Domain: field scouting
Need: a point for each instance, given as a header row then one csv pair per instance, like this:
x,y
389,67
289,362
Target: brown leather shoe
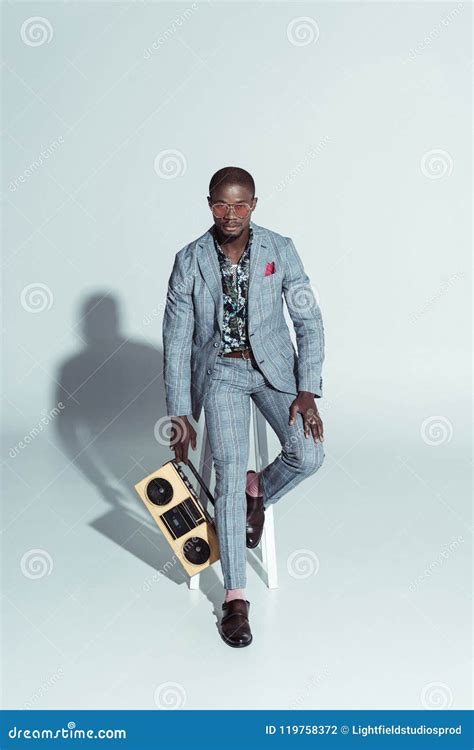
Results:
x,y
235,626
255,519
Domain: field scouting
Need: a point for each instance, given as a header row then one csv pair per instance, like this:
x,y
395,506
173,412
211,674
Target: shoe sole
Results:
x,y
253,546
237,645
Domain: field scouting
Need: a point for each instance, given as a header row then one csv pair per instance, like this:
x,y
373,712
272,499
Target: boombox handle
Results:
x,y
196,474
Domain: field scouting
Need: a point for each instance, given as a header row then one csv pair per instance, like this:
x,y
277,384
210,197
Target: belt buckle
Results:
x,y
243,354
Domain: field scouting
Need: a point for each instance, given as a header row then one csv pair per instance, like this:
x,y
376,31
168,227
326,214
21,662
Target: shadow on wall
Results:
x,y
113,396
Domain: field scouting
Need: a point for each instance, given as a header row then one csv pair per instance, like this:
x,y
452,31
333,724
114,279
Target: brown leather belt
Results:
x,y
242,353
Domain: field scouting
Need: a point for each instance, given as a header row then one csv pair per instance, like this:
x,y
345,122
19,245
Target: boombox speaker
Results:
x,y
179,513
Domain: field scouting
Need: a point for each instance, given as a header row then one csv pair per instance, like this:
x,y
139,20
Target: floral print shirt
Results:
x,y
235,281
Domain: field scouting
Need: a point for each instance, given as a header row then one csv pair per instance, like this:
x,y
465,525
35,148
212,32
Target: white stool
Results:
x,y
268,563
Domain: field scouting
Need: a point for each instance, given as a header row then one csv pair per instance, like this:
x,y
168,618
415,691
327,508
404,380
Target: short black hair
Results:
x,y
232,176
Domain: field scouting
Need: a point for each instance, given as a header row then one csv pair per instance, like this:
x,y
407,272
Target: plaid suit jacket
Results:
x,y
192,320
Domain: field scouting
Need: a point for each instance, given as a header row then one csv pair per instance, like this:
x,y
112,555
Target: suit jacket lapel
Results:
x,y
257,266
211,272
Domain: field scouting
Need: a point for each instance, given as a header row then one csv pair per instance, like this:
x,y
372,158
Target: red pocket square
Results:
x,y
269,269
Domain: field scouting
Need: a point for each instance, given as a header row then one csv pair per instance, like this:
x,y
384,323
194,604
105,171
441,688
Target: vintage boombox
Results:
x,y
181,516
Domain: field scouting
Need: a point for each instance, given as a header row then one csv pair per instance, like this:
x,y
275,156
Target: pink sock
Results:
x,y
253,484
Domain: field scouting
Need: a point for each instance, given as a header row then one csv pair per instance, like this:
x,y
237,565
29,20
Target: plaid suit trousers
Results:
x,y
227,412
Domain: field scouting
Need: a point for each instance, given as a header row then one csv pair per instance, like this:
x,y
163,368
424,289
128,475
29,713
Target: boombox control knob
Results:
x,y
185,479
183,476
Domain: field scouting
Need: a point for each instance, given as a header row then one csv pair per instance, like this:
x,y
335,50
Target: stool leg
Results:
x,y
269,549
268,537
193,582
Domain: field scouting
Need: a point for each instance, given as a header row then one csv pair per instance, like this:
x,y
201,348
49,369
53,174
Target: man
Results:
x,y
226,340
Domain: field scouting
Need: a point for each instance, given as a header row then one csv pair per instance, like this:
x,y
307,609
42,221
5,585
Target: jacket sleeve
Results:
x,y
178,327
307,322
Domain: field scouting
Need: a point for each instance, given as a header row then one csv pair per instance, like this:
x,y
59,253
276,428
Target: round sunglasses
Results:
x,y
220,209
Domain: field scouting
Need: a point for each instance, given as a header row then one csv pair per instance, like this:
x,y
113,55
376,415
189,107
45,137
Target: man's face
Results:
x,y
232,225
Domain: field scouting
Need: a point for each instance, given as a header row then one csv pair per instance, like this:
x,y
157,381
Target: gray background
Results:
x,y
355,120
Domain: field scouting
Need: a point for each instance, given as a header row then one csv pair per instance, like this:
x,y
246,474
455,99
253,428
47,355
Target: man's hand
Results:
x,y
305,403
182,433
